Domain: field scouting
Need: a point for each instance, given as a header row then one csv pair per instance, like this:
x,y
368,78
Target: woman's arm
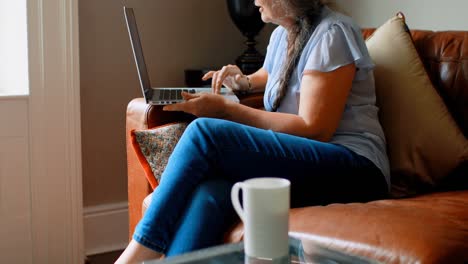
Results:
x,y
258,80
323,98
322,102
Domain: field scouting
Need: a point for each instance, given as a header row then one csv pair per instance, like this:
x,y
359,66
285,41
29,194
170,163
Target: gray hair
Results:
x,y
307,13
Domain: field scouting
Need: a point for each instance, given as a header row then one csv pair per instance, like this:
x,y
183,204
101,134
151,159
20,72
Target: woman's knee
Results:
x,y
209,129
205,123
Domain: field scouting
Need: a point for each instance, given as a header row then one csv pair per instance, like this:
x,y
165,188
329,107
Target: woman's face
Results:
x,y
275,11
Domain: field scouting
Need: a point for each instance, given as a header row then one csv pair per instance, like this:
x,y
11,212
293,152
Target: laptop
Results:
x,y
159,95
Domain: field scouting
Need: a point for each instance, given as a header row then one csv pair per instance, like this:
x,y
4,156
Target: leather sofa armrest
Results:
x,y
142,116
138,186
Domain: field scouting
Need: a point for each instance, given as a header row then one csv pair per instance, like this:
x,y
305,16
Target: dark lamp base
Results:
x,y
250,64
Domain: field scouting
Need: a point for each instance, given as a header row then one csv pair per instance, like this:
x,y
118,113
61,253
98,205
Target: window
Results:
x,y
13,49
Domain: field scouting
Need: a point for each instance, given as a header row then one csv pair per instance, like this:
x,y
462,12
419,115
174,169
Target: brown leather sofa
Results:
x,y
430,227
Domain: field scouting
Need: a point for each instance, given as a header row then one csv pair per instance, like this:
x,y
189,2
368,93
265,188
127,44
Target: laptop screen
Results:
x,y
138,53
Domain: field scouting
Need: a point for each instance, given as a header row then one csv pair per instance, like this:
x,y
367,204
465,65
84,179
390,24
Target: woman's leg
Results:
x,y
206,219
137,253
320,173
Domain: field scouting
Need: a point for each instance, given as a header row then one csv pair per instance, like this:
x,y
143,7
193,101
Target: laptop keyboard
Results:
x,y
173,94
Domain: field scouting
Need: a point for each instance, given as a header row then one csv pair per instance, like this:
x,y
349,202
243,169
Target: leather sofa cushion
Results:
x,y
431,228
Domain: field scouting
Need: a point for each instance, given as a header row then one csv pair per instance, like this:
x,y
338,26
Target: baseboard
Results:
x,y
105,228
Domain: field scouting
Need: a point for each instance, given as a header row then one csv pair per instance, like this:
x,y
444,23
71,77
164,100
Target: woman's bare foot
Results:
x,y
137,253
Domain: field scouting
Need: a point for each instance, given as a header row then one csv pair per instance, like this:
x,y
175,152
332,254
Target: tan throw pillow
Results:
x,y
424,143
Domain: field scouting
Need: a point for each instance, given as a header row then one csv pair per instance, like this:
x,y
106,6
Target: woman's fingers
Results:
x,y
189,96
224,73
175,107
181,106
214,80
214,75
208,75
218,78
238,77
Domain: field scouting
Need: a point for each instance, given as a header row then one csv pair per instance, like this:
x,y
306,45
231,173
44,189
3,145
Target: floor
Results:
x,y
106,258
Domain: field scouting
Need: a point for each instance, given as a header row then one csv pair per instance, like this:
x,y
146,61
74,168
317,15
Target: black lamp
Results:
x,y
247,19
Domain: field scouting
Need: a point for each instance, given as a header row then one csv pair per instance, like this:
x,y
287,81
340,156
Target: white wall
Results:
x,y
420,14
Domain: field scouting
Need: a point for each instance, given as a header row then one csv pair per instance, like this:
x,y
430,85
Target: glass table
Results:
x,y
300,251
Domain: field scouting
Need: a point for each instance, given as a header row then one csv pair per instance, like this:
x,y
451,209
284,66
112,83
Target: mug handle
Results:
x,y
235,199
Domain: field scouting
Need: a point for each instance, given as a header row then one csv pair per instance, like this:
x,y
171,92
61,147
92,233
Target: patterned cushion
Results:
x,y
154,146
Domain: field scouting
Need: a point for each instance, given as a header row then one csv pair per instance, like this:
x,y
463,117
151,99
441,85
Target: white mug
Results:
x,y
265,216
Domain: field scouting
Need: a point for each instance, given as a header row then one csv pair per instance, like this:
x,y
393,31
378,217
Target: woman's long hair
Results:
x,y
307,13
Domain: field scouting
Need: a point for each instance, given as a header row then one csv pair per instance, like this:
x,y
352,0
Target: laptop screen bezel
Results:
x,y
138,53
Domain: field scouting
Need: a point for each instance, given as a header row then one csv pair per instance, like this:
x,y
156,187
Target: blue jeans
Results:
x,y
191,207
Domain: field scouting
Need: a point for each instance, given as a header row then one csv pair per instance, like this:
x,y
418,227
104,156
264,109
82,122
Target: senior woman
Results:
x,y
319,129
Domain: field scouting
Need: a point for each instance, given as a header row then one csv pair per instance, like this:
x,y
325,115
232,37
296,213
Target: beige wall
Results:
x,y
175,35
420,14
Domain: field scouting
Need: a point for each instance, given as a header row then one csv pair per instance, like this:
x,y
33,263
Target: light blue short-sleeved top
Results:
x,y
336,42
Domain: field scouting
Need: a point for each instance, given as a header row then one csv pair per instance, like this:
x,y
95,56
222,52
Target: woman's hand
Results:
x,y
231,76
201,105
